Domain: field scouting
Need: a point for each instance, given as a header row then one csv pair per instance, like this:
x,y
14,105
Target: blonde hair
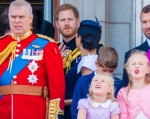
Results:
x,y
110,80
147,76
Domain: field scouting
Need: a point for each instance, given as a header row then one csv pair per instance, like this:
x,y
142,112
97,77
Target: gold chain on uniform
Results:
x,y
70,56
7,51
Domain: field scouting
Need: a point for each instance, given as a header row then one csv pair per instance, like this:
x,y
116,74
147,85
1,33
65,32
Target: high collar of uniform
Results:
x,y
18,38
71,45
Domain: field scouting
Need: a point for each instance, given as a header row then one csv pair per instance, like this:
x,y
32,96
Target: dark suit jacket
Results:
x,y
143,47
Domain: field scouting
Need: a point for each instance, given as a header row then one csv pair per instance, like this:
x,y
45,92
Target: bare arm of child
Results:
x,y
81,113
115,116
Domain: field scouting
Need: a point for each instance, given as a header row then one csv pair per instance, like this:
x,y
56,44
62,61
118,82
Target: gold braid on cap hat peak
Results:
x,y
7,51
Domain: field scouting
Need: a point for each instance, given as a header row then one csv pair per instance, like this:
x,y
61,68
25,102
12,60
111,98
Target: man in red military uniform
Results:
x,y
28,63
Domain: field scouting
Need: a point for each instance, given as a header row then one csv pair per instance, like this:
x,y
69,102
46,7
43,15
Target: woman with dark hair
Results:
x,y
47,29
4,23
87,41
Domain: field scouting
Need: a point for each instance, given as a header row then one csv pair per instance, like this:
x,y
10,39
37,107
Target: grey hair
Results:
x,y
20,3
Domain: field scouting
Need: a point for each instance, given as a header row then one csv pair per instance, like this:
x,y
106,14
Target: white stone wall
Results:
x,y
115,18
120,22
88,9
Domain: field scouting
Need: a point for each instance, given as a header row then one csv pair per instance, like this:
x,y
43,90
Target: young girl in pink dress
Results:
x,y
100,103
134,100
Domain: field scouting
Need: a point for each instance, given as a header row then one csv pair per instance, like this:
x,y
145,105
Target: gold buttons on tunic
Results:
x,y
17,50
15,82
18,45
16,55
14,76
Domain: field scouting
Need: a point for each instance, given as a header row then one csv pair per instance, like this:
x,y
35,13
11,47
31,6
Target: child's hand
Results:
x,y
45,92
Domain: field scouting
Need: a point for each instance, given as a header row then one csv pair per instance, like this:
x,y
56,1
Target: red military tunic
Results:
x,y
46,72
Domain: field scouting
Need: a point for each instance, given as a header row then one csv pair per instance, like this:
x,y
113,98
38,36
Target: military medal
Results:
x,y
29,54
24,54
32,78
32,54
33,66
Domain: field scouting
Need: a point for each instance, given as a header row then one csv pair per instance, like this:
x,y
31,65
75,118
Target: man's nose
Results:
x,y
148,24
66,22
17,19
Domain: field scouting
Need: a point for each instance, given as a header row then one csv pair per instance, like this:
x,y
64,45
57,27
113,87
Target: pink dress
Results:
x,y
137,104
99,110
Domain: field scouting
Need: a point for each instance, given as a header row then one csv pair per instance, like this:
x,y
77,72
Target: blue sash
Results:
x,y
19,63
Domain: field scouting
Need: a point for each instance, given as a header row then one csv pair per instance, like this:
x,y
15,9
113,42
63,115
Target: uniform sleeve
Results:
x,y
76,97
114,108
122,104
56,81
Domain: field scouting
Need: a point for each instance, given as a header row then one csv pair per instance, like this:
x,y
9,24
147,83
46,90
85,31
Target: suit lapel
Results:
x,y
144,46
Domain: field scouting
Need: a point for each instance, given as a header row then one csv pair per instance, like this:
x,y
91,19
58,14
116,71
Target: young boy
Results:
x,y
107,61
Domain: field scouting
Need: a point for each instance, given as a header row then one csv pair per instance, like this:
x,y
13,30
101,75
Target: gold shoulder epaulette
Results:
x,y
45,37
3,36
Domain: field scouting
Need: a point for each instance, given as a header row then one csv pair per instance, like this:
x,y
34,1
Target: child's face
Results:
x,y
138,66
100,85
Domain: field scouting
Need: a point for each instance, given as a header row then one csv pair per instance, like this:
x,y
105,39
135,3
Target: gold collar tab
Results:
x,y
24,36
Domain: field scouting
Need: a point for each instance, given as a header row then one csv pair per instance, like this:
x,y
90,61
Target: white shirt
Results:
x,y
148,41
88,62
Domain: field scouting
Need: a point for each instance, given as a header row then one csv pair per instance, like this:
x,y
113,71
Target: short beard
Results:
x,y
74,31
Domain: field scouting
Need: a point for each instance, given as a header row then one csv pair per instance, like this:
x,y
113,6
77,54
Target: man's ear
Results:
x,y
56,24
78,22
31,18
